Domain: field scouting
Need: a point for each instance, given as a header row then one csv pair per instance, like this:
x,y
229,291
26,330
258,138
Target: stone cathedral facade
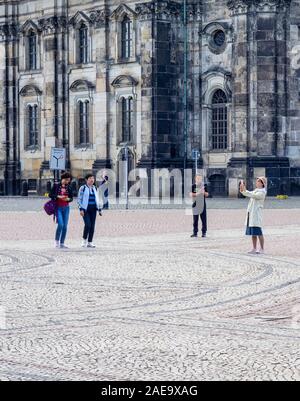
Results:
x,y
92,75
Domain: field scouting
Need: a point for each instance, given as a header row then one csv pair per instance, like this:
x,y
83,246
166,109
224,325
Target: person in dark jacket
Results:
x,y
199,194
62,194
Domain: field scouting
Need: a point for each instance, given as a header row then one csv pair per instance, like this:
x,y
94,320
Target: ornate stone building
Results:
x,y
93,75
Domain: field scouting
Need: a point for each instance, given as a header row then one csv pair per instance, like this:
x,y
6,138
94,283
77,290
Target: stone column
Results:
x,y
241,101
272,93
267,78
159,73
10,37
54,113
102,96
240,95
196,127
145,25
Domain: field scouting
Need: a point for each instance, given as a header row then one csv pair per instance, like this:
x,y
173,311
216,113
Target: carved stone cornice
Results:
x,y
268,6
53,24
194,12
10,31
271,5
99,18
159,9
239,6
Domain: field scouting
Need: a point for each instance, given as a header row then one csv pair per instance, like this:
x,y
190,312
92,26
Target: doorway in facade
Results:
x,y
218,185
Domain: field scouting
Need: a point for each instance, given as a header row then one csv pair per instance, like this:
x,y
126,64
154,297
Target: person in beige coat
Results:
x,y
254,220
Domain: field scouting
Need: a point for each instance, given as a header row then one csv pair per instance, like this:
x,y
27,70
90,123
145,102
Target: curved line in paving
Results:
x,y
250,329
33,376
250,295
268,269
13,259
253,329
132,307
182,299
89,311
16,260
197,295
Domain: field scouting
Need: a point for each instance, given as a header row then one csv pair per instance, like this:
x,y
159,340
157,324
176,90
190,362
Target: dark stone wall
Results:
x,y
162,105
266,84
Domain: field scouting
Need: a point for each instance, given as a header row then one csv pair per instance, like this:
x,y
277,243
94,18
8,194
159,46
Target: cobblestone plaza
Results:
x,y
149,303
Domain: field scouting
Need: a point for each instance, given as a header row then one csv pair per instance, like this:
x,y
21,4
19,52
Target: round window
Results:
x,y
219,38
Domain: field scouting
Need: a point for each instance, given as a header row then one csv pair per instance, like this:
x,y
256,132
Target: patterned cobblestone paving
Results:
x,y
152,305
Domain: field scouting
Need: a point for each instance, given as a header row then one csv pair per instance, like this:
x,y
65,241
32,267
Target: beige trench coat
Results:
x,y
255,207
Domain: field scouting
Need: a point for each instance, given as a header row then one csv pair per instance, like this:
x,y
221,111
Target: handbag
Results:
x,y
50,208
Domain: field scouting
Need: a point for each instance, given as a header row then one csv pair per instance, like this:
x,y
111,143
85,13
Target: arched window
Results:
x,y
83,122
127,119
83,44
32,126
31,51
219,121
127,33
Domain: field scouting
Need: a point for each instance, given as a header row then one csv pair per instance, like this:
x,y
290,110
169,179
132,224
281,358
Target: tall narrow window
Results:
x,y
83,44
33,126
32,51
84,129
127,119
126,38
219,121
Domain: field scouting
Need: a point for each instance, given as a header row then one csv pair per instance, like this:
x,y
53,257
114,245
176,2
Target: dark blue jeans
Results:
x,y
89,223
63,214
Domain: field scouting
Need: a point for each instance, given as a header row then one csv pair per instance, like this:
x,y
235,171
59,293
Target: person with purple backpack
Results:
x,y
62,195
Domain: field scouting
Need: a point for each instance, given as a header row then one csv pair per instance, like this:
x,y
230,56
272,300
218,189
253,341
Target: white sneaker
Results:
x,y
260,252
63,246
84,243
253,252
57,244
91,245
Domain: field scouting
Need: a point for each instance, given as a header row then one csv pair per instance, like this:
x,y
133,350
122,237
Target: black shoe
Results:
x,y
194,236
204,235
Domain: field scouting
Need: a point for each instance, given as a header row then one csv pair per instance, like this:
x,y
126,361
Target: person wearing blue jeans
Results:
x,y
62,194
63,214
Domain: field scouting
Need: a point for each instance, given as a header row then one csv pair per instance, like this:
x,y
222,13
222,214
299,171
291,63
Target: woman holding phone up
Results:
x,y
254,213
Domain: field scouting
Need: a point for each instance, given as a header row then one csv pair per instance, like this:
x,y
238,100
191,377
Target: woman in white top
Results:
x,y
254,213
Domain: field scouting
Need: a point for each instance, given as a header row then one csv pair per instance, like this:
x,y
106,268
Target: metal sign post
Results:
x,y
57,161
196,157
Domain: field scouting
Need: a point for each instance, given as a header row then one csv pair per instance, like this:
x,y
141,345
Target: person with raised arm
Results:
x,y
89,206
254,219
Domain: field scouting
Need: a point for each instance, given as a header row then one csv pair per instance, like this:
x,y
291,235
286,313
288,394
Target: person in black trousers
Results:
x,y
199,194
89,206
